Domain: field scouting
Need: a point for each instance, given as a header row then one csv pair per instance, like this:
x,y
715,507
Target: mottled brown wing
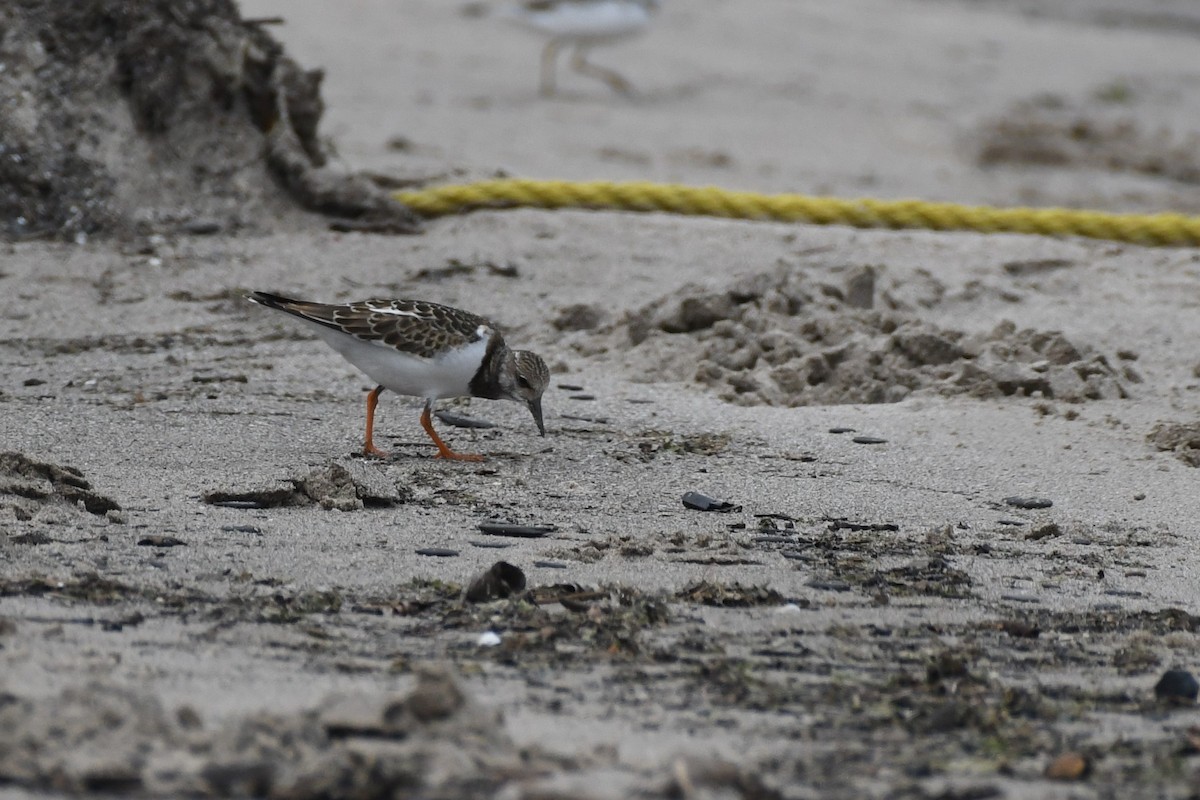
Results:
x,y
412,326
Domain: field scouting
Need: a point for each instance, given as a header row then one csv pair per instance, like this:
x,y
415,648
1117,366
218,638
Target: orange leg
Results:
x,y
369,449
443,450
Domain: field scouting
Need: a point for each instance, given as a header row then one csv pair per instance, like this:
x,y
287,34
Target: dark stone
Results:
x,y
1177,687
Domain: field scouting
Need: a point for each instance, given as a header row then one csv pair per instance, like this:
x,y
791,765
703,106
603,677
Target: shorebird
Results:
x,y
582,25
423,349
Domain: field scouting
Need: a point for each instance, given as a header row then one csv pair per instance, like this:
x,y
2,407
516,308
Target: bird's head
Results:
x,y
528,380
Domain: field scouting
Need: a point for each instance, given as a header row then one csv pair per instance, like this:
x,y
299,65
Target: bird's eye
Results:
x,y
523,382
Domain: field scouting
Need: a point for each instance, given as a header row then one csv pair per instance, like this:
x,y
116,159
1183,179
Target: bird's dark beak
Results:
x,y
535,408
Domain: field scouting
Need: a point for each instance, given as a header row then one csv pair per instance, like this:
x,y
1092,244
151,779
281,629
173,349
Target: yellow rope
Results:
x,y
1148,229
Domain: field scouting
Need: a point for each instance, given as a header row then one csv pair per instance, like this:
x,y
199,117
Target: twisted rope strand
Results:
x,y
1166,229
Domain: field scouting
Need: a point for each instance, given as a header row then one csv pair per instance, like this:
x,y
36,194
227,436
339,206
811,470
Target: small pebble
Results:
x,y
437,552
550,564
1068,767
488,639
1028,502
1178,687
462,421
520,531
160,540
237,503
841,430
501,580
702,502
868,440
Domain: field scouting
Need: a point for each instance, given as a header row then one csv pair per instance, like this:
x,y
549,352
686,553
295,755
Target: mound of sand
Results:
x,y
785,338
125,118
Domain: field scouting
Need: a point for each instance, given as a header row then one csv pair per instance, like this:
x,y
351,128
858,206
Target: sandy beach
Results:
x,y
961,544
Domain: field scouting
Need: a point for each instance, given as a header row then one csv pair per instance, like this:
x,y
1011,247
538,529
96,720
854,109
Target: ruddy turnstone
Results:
x,y
425,350
582,24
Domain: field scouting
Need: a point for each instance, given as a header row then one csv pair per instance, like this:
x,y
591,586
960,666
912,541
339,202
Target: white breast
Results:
x,y
432,378
596,20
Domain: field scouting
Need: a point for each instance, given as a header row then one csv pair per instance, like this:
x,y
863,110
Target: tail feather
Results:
x,y
304,309
273,300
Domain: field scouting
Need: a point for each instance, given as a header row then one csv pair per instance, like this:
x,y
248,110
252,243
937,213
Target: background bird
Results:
x,y
582,25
